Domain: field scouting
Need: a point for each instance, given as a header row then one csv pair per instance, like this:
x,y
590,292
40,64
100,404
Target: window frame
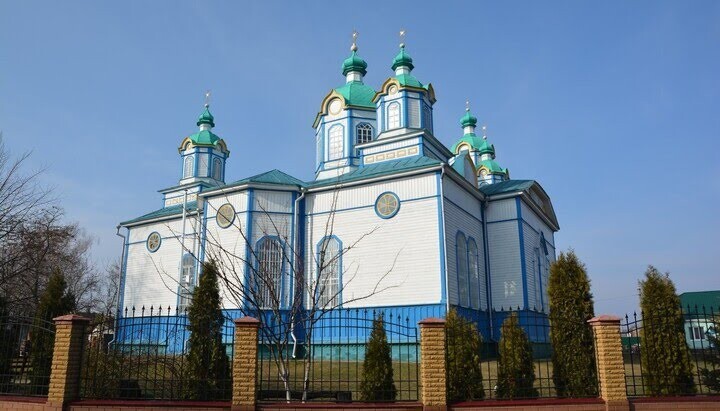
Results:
x,y
217,168
278,281
336,263
474,302
338,141
393,112
188,166
462,269
363,128
187,280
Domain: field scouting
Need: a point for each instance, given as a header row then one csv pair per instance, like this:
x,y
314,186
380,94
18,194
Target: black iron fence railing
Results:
x,y
26,347
336,356
149,354
672,354
511,380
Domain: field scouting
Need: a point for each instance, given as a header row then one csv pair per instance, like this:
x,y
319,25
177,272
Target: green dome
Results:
x,y
354,63
402,59
206,118
468,119
492,166
486,148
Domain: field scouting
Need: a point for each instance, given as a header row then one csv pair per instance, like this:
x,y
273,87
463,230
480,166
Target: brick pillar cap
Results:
x,y
247,322
432,322
71,318
604,319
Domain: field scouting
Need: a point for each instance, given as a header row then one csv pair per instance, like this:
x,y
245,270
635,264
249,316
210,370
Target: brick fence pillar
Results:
x,y
244,395
433,367
67,354
611,368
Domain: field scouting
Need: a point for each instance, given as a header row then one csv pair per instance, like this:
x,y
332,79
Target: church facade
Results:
x,y
393,219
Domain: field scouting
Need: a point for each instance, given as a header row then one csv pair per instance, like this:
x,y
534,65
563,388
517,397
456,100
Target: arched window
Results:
x,y
364,133
335,142
187,281
329,266
474,272
393,116
189,167
462,269
268,275
427,118
217,169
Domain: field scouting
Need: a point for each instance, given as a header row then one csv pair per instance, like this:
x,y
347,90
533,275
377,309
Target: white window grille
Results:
x,y
697,333
269,273
364,133
393,115
462,269
335,137
187,281
474,274
189,167
328,287
217,169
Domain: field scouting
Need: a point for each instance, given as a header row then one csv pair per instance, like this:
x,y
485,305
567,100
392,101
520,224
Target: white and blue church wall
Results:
x,y
398,253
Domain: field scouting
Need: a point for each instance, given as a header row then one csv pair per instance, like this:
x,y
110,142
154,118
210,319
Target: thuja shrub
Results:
x,y
464,379
377,381
516,370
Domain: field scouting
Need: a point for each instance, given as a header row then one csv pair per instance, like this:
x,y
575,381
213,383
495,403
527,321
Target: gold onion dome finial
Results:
x,y
206,117
354,62
402,59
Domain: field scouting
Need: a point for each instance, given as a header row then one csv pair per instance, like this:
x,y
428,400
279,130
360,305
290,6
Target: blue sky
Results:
x,y
613,106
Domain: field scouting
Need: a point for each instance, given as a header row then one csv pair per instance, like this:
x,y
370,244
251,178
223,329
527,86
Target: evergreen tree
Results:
x,y
711,375
208,362
571,306
665,357
54,302
464,379
377,381
516,370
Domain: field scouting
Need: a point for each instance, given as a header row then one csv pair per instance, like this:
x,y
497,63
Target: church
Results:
x,y
393,219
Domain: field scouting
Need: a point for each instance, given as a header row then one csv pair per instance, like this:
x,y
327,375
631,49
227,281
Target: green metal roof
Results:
x,y
380,169
506,186
701,299
271,177
206,117
491,165
468,119
408,80
204,138
163,212
402,59
356,93
354,63
476,142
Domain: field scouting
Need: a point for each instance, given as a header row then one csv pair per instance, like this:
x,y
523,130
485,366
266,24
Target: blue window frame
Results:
x,y
268,275
462,269
186,284
474,273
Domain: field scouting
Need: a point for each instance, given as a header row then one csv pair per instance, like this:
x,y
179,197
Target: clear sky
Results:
x,y
614,107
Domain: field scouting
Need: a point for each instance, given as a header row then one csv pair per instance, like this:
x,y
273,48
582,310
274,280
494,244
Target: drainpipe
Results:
x,y
442,221
486,248
122,280
297,244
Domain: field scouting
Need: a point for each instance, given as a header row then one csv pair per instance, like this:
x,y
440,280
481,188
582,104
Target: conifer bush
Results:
x,y
208,362
464,379
54,302
711,373
664,354
377,381
571,306
516,370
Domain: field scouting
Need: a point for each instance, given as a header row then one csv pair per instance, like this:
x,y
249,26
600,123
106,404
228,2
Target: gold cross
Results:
x,y
207,98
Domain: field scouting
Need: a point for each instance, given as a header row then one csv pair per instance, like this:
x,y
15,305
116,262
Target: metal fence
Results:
x,y
538,383
26,346
147,354
323,357
655,347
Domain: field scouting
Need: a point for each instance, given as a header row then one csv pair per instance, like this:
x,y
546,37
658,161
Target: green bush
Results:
x,y
464,379
516,371
208,364
711,376
664,354
571,306
377,380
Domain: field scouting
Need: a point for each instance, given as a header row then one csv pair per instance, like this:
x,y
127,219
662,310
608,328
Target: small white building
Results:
x,y
436,226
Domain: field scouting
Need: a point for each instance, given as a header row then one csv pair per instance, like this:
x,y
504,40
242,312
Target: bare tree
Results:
x,y
252,284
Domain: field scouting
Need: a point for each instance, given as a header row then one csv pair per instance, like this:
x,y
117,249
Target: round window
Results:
x,y
387,205
335,106
153,241
225,215
392,90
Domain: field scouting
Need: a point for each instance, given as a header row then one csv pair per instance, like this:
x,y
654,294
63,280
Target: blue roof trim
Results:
x,y
163,212
379,169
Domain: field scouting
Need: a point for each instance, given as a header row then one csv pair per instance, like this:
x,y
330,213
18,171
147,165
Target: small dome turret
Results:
x,y
354,63
402,59
206,117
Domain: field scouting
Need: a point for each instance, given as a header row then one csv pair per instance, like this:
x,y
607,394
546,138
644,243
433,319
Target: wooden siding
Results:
x,y
505,267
